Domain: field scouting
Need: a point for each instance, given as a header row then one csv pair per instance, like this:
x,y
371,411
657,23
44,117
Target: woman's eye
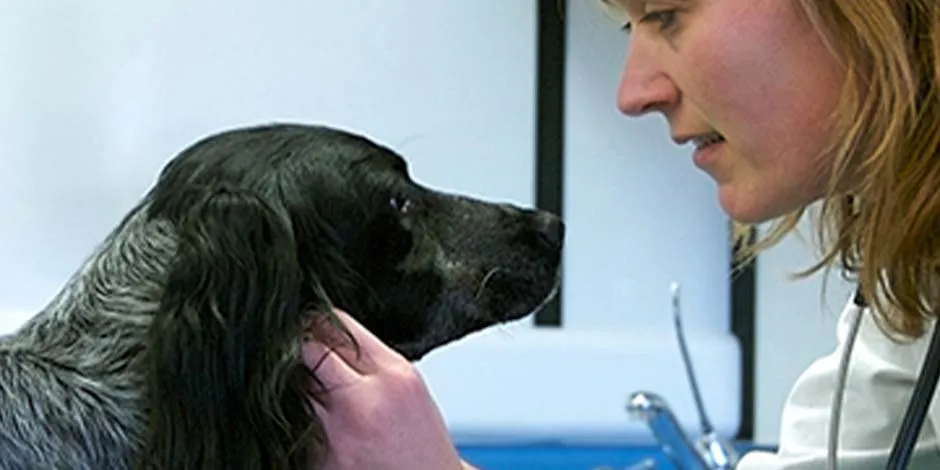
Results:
x,y
665,18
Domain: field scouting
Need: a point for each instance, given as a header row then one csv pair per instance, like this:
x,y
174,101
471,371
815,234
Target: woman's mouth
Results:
x,y
707,139
706,148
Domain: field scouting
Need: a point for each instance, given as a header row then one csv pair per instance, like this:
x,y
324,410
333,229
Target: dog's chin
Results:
x,y
548,295
413,352
416,350
527,296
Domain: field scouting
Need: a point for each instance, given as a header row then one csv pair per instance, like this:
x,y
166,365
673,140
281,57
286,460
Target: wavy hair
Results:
x,y
879,221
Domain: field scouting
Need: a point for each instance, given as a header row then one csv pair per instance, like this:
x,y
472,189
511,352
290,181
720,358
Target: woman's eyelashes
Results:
x,y
665,18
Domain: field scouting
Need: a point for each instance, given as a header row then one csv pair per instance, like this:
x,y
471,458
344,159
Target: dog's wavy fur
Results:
x,y
225,345
177,344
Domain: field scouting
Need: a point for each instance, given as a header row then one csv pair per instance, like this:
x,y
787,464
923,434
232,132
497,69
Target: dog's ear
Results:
x,y
225,385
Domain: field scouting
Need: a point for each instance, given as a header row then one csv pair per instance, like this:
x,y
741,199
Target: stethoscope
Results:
x,y
919,403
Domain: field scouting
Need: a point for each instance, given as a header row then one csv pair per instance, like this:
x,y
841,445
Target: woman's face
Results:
x,y
753,72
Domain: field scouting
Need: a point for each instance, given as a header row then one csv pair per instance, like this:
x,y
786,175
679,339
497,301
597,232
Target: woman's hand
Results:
x,y
378,412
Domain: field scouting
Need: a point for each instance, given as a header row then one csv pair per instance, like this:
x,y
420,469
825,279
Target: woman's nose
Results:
x,y
644,86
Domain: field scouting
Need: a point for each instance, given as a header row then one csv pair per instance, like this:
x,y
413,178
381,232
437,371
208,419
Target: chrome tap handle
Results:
x,y
645,464
655,412
716,451
687,361
710,451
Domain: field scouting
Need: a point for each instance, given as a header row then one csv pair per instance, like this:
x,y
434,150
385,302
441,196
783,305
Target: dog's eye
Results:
x,y
400,204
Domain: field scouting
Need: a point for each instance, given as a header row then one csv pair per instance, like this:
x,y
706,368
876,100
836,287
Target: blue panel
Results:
x,y
560,458
565,458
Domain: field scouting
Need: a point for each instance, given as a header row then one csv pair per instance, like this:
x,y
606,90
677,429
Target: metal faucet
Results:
x,y
710,451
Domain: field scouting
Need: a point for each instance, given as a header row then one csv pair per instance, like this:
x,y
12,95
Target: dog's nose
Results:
x,y
551,229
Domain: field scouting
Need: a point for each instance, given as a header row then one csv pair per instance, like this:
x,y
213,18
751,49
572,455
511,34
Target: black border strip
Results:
x,y
550,126
743,326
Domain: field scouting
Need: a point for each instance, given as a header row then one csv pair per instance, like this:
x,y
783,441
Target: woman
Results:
x,y
788,103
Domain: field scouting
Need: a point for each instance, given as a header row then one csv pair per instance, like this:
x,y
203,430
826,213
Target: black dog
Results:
x,y
177,344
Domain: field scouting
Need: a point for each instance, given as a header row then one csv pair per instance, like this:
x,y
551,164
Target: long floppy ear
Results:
x,y
225,384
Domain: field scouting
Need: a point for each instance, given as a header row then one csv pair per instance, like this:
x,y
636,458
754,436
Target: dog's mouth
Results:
x,y
508,296
500,297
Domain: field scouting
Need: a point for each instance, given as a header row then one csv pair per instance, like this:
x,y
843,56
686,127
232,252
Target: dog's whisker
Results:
x,y
408,140
504,330
486,278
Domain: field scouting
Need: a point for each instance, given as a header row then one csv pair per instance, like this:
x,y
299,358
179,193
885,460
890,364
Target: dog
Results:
x,y
177,344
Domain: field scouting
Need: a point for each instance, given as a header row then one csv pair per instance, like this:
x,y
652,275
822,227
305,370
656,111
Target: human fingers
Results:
x,y
329,369
351,342
374,355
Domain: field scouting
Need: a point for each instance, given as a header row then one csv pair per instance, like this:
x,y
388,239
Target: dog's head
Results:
x,y
417,267
274,222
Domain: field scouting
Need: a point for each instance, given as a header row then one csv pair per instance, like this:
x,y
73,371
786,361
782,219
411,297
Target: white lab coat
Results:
x,y
879,383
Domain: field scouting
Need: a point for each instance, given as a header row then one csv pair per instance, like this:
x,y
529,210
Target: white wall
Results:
x,y
795,324
639,218
96,95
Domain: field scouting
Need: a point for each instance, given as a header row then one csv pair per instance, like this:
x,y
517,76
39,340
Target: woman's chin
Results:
x,y
746,207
